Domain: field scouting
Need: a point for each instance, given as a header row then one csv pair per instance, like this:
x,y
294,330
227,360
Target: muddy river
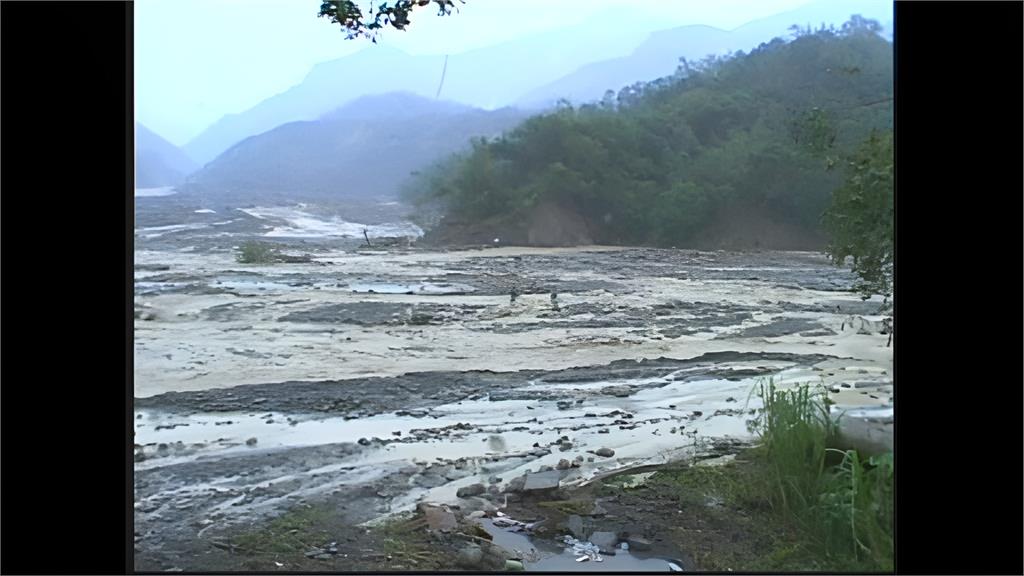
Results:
x,y
387,376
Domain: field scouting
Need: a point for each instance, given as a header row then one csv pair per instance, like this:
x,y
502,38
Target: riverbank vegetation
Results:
x,y
817,508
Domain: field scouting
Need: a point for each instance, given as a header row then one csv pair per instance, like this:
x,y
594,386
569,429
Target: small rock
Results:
x,y
579,458
604,452
438,518
471,557
471,490
516,484
605,540
603,431
638,543
364,442
542,481
575,526
251,441
563,464
617,391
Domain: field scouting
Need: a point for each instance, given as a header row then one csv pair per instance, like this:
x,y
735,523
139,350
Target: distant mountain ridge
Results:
x,y
609,51
366,149
158,162
486,78
659,55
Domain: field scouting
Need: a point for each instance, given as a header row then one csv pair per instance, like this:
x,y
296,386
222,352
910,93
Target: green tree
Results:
x,y
350,17
860,219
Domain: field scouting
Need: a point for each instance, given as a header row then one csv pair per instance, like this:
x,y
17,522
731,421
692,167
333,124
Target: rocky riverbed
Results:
x,y
370,381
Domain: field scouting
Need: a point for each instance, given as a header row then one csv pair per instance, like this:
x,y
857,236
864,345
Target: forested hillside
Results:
x,y
724,149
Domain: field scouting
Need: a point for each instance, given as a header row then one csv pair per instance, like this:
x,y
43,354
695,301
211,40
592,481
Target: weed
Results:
x,y
254,252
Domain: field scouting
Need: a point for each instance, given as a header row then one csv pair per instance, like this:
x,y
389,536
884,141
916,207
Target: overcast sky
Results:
x,y
196,60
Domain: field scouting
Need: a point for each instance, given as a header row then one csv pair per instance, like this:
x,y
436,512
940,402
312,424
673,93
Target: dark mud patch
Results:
x,y
671,319
779,327
363,397
498,276
232,311
206,514
382,313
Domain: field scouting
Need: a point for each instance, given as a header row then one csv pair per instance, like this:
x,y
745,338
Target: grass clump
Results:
x,y
255,252
842,502
294,532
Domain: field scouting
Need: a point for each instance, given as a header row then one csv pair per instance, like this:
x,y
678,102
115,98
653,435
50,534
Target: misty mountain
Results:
x,y
487,78
157,161
659,55
365,149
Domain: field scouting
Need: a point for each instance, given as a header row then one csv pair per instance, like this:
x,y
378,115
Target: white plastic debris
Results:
x,y
624,546
674,567
583,558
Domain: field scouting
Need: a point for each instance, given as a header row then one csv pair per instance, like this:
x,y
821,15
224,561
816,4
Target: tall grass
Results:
x,y
845,509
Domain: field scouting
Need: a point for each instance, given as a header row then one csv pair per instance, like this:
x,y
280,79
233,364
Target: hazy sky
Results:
x,y
196,60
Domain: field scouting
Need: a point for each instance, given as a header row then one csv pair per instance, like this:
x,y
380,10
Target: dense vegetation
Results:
x,y
860,221
659,163
843,504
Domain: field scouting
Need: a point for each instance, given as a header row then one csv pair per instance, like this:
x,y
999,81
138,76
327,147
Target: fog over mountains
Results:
x,y
365,149
157,161
342,129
